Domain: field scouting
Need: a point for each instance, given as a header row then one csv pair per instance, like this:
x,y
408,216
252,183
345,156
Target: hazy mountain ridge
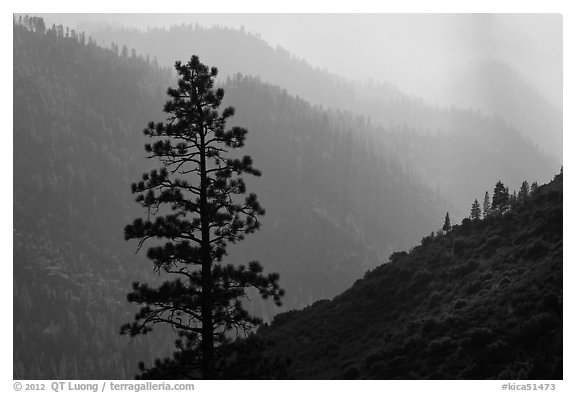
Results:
x,y
499,89
493,87
338,200
327,172
463,130
483,301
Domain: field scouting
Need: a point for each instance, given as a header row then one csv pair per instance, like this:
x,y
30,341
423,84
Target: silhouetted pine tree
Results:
x,y
193,203
486,210
524,192
513,198
475,212
533,188
500,198
447,226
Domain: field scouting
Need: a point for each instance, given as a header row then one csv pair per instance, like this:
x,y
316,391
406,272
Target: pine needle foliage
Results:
x,y
196,203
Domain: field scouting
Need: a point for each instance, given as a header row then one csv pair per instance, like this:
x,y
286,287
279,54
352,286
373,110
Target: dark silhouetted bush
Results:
x,y
536,250
351,372
493,242
480,337
460,246
442,347
460,304
473,287
467,268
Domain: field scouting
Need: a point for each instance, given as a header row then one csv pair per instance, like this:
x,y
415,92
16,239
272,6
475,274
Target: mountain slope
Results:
x,y
75,124
482,301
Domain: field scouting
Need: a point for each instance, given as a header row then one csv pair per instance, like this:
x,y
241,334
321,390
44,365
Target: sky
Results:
x,y
418,53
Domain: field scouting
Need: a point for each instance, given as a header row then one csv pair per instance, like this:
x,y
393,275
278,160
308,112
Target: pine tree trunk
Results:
x,y
207,326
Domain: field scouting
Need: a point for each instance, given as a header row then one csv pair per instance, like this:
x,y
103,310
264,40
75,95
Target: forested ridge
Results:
x,y
341,194
74,132
490,86
480,301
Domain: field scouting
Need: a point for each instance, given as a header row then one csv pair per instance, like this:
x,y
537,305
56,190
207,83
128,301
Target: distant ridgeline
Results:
x,y
337,201
504,90
481,301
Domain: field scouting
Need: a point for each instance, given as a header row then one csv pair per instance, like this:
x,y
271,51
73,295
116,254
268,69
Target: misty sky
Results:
x,y
419,53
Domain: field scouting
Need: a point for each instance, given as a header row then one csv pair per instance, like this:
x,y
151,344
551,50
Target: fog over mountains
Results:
x,y
508,65
353,170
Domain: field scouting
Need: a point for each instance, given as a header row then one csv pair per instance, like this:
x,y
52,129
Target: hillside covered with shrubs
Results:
x,y
481,301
